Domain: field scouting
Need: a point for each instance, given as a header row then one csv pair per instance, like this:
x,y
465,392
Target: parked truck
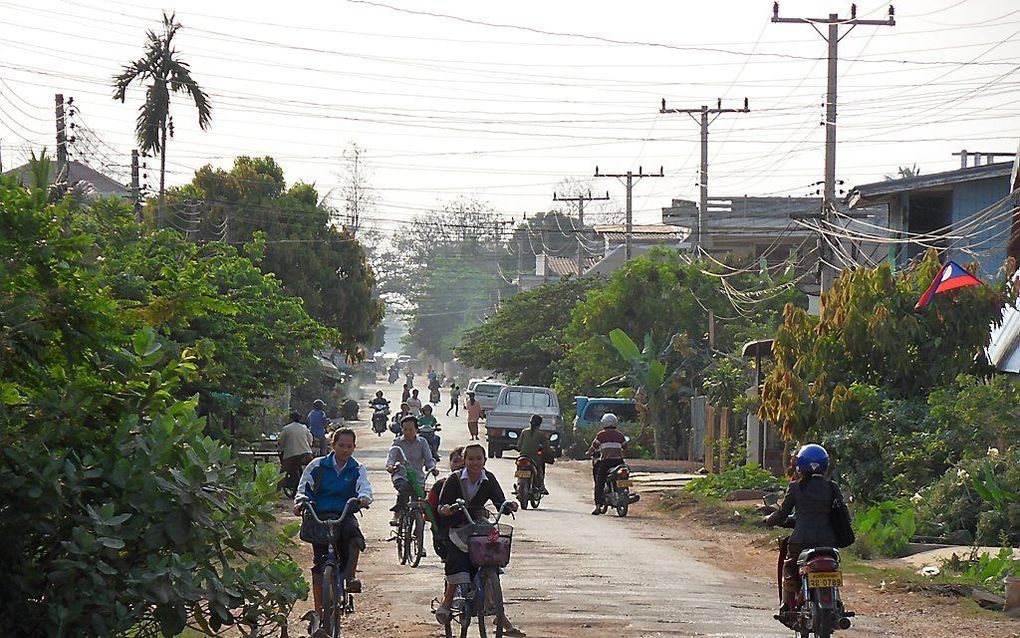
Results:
x,y
590,410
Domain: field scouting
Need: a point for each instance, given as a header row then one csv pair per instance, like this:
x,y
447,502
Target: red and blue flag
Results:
x,y
950,277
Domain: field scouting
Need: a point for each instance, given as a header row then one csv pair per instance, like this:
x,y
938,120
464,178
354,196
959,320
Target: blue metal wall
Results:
x,y
990,238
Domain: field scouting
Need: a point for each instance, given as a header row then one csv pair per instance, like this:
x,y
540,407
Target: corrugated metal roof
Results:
x,y
875,192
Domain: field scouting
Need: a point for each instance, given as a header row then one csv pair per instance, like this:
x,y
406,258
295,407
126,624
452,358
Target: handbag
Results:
x,y
839,520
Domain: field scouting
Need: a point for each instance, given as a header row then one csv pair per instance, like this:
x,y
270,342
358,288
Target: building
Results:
x,y
964,212
101,185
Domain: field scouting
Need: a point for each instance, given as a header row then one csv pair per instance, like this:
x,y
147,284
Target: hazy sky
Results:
x,y
448,107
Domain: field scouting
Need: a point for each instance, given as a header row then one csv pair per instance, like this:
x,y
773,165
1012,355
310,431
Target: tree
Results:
x,y
523,338
552,233
904,172
121,516
167,73
324,265
869,334
355,189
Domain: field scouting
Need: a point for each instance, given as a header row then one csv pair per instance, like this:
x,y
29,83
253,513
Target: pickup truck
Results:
x,y
591,409
486,391
512,414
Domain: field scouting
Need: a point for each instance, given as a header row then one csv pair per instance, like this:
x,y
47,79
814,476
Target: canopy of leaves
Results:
x,y
551,233
322,264
523,339
869,333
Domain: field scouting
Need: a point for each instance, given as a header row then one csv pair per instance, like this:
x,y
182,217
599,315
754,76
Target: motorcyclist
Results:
x,y
609,445
379,400
409,452
535,445
317,422
295,445
327,483
811,495
414,402
398,418
427,425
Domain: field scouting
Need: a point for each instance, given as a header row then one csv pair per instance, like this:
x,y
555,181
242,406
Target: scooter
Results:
x,y
380,417
817,609
433,439
617,492
526,489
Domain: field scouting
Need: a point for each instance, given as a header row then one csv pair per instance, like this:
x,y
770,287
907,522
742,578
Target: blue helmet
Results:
x,y
812,459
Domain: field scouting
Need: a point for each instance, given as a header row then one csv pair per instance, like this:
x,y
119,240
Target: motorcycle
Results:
x,y
617,491
380,417
393,375
817,609
526,489
433,439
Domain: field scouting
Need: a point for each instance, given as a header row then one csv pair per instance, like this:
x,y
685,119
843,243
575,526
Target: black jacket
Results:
x,y
812,500
488,491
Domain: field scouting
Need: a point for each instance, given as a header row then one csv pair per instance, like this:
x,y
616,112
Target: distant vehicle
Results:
x,y
486,391
512,414
590,410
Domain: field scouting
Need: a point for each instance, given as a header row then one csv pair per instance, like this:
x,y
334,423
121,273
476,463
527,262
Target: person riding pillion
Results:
x,y
811,495
535,445
609,444
409,452
326,485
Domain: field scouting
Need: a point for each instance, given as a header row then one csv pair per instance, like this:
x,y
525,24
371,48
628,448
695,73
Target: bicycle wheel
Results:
x,y
399,536
494,600
329,601
418,539
407,534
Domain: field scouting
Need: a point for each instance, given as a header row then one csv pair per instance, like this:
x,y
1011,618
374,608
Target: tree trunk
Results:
x,y
161,211
656,417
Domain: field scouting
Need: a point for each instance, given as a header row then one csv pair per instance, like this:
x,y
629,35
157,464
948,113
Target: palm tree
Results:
x,y
167,73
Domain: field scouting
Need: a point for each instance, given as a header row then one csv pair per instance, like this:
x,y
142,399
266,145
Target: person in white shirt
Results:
x,y
295,445
414,403
409,452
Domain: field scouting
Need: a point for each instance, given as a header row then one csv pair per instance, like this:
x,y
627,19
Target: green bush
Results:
x,y
960,505
745,477
886,528
987,570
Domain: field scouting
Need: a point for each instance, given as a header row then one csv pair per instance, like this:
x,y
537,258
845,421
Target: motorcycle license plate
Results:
x,y
623,483
825,579
523,474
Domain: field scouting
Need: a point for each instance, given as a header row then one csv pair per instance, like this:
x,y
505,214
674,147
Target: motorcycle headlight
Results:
x,y
511,434
554,438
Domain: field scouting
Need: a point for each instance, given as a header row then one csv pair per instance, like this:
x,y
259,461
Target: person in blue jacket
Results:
x,y
326,485
316,423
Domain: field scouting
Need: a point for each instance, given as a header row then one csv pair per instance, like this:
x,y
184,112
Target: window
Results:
x,y
514,397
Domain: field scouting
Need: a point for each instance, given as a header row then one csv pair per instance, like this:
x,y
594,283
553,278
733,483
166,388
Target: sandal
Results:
x,y
513,631
442,615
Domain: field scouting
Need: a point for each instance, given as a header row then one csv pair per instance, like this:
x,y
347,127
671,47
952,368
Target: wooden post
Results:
x,y
710,438
711,328
724,436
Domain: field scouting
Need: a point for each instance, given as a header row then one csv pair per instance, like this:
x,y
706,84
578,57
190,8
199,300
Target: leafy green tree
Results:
x,y
523,339
553,233
292,238
167,73
120,515
870,334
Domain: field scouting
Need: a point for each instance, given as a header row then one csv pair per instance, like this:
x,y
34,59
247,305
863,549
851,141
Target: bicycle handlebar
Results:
x,y
461,505
355,502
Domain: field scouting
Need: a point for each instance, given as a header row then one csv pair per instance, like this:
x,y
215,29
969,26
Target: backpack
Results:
x,y
839,520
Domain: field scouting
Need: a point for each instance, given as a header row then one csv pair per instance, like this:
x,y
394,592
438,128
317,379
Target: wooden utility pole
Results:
x,y
61,168
701,234
628,180
832,38
581,199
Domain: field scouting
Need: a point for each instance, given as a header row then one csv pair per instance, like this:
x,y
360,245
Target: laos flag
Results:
x,y
950,276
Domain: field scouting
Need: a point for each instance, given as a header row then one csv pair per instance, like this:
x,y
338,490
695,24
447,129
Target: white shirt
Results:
x,y
472,488
363,486
295,440
414,405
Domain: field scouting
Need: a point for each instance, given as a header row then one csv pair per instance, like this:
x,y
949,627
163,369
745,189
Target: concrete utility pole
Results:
x,y
60,174
832,38
628,178
581,199
700,235
136,189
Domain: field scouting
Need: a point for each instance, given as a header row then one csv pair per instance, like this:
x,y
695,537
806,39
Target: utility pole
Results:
x,y
136,190
832,38
581,199
628,178
59,174
700,237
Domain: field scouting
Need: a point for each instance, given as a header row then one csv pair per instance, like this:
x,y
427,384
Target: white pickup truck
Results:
x,y
512,414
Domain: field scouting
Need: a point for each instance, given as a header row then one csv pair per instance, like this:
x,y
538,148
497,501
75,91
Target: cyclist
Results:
x,y
414,402
441,532
409,452
476,487
327,483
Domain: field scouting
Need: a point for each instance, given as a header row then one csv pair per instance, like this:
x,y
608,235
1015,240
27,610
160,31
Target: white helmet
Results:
x,y
609,420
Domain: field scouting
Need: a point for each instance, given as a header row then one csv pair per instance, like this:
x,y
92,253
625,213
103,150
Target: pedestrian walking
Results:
x,y
474,413
454,399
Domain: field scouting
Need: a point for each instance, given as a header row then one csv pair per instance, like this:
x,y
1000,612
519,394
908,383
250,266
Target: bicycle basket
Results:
x,y
491,548
314,532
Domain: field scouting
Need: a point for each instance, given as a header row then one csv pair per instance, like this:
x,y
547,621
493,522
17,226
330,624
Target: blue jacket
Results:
x,y
317,423
335,488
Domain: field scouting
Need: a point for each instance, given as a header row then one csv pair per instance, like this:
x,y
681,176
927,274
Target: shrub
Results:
x,y
886,528
745,477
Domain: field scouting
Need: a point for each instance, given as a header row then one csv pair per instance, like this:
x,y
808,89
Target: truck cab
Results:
x,y
512,414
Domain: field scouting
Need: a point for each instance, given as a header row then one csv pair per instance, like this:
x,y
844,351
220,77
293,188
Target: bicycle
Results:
x,y
489,549
337,602
410,531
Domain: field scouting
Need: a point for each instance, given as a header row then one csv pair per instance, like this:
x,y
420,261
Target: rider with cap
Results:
x,y
409,452
317,426
811,495
609,444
